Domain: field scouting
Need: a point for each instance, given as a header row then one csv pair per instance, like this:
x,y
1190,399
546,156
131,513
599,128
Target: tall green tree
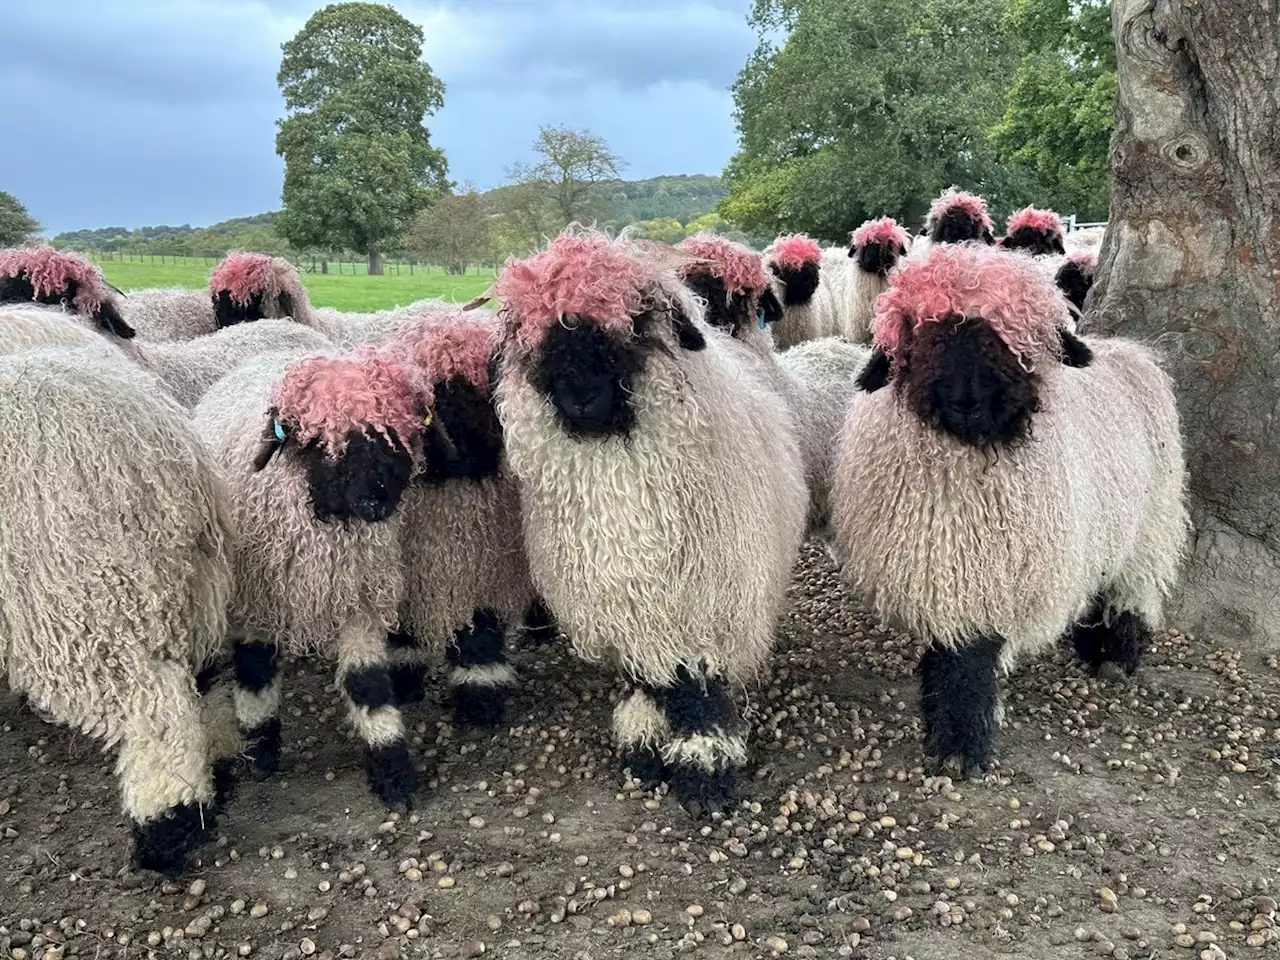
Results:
x,y
359,164
16,225
1057,126
453,232
865,108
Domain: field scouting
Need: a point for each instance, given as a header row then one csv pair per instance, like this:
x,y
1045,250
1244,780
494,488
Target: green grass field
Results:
x,y
342,291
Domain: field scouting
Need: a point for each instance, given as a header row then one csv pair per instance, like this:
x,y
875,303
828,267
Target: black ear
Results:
x,y
875,374
1075,352
1058,247
273,438
771,307
853,251
902,249
987,237
1004,242
109,317
286,305
687,334
493,368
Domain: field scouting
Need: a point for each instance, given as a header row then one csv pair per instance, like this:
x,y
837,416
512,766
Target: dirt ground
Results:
x,y
1133,820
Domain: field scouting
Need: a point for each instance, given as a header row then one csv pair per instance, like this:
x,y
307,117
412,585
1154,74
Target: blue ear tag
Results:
x,y
760,317
279,430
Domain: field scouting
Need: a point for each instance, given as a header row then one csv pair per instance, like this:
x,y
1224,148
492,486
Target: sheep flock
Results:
x,y
623,446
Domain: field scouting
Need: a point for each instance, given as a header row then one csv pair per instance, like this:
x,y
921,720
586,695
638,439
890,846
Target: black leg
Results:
x,y
257,700
642,731
706,747
539,623
372,706
162,844
480,675
960,700
408,672
1105,635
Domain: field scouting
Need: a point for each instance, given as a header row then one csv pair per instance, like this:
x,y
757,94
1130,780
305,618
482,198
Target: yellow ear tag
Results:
x,y
426,421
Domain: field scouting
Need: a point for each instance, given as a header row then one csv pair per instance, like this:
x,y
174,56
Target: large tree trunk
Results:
x,y
375,264
1190,262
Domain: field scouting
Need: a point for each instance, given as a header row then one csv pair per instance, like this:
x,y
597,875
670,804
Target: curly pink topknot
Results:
x,y
886,231
1041,221
741,269
244,275
793,251
579,273
1009,292
1086,259
972,205
445,345
50,271
324,398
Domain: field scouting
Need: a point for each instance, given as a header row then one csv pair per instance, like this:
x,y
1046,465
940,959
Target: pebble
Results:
x,y
473,948
641,917
307,946
694,910
777,944
446,883
259,910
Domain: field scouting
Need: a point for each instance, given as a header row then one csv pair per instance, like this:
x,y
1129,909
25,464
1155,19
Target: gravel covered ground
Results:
x,y
1126,819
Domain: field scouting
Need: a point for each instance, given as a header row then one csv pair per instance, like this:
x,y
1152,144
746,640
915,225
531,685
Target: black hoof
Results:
x,y
162,844
392,776
960,699
702,792
479,706
408,683
645,765
1117,645
224,781
262,748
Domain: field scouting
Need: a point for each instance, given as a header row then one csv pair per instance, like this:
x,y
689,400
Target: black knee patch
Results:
x,y
645,765
539,623
163,844
255,665
370,687
479,644
696,704
262,746
702,792
477,706
207,676
959,694
401,641
392,776
1122,641
408,682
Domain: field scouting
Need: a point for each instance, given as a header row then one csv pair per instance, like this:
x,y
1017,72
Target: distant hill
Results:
x,y
681,198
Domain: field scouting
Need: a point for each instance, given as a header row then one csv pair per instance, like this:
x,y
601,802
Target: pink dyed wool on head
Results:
x,y
795,250
742,270
445,345
582,274
974,206
885,231
245,275
1008,291
1041,221
1087,260
50,272
324,398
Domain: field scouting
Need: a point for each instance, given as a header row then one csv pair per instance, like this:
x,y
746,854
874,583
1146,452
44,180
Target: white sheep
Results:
x,y
663,497
1013,484
794,264
63,282
875,250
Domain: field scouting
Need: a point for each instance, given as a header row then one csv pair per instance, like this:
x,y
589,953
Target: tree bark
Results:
x,y
375,264
1190,263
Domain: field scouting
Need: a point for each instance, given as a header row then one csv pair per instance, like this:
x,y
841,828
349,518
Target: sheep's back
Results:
x,y
171,313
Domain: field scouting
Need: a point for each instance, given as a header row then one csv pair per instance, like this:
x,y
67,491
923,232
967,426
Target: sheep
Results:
x,y
164,314
317,452
1038,232
188,368
33,327
1088,238
663,499
116,536
808,307
875,248
355,330
1075,276
1015,483
955,217
55,278
466,575
732,281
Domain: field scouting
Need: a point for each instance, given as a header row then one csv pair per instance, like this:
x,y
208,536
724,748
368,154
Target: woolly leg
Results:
x,y
539,623
1106,635
257,701
166,781
707,746
364,675
960,700
480,675
408,668
642,731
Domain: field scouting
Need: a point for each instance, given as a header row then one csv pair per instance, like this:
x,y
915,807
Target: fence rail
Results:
x,y
305,264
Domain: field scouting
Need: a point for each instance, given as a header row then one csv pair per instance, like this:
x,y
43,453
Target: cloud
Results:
x,y
163,111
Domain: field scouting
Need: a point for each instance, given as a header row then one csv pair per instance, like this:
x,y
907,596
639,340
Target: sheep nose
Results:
x,y
372,509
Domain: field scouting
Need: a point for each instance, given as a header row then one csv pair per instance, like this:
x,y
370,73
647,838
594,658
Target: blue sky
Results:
x,y
136,112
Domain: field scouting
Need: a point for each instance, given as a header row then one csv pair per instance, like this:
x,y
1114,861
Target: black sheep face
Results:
x,y
878,258
1038,243
18,289
957,226
589,373
799,284
227,312
1075,282
364,482
734,313
464,438
961,378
